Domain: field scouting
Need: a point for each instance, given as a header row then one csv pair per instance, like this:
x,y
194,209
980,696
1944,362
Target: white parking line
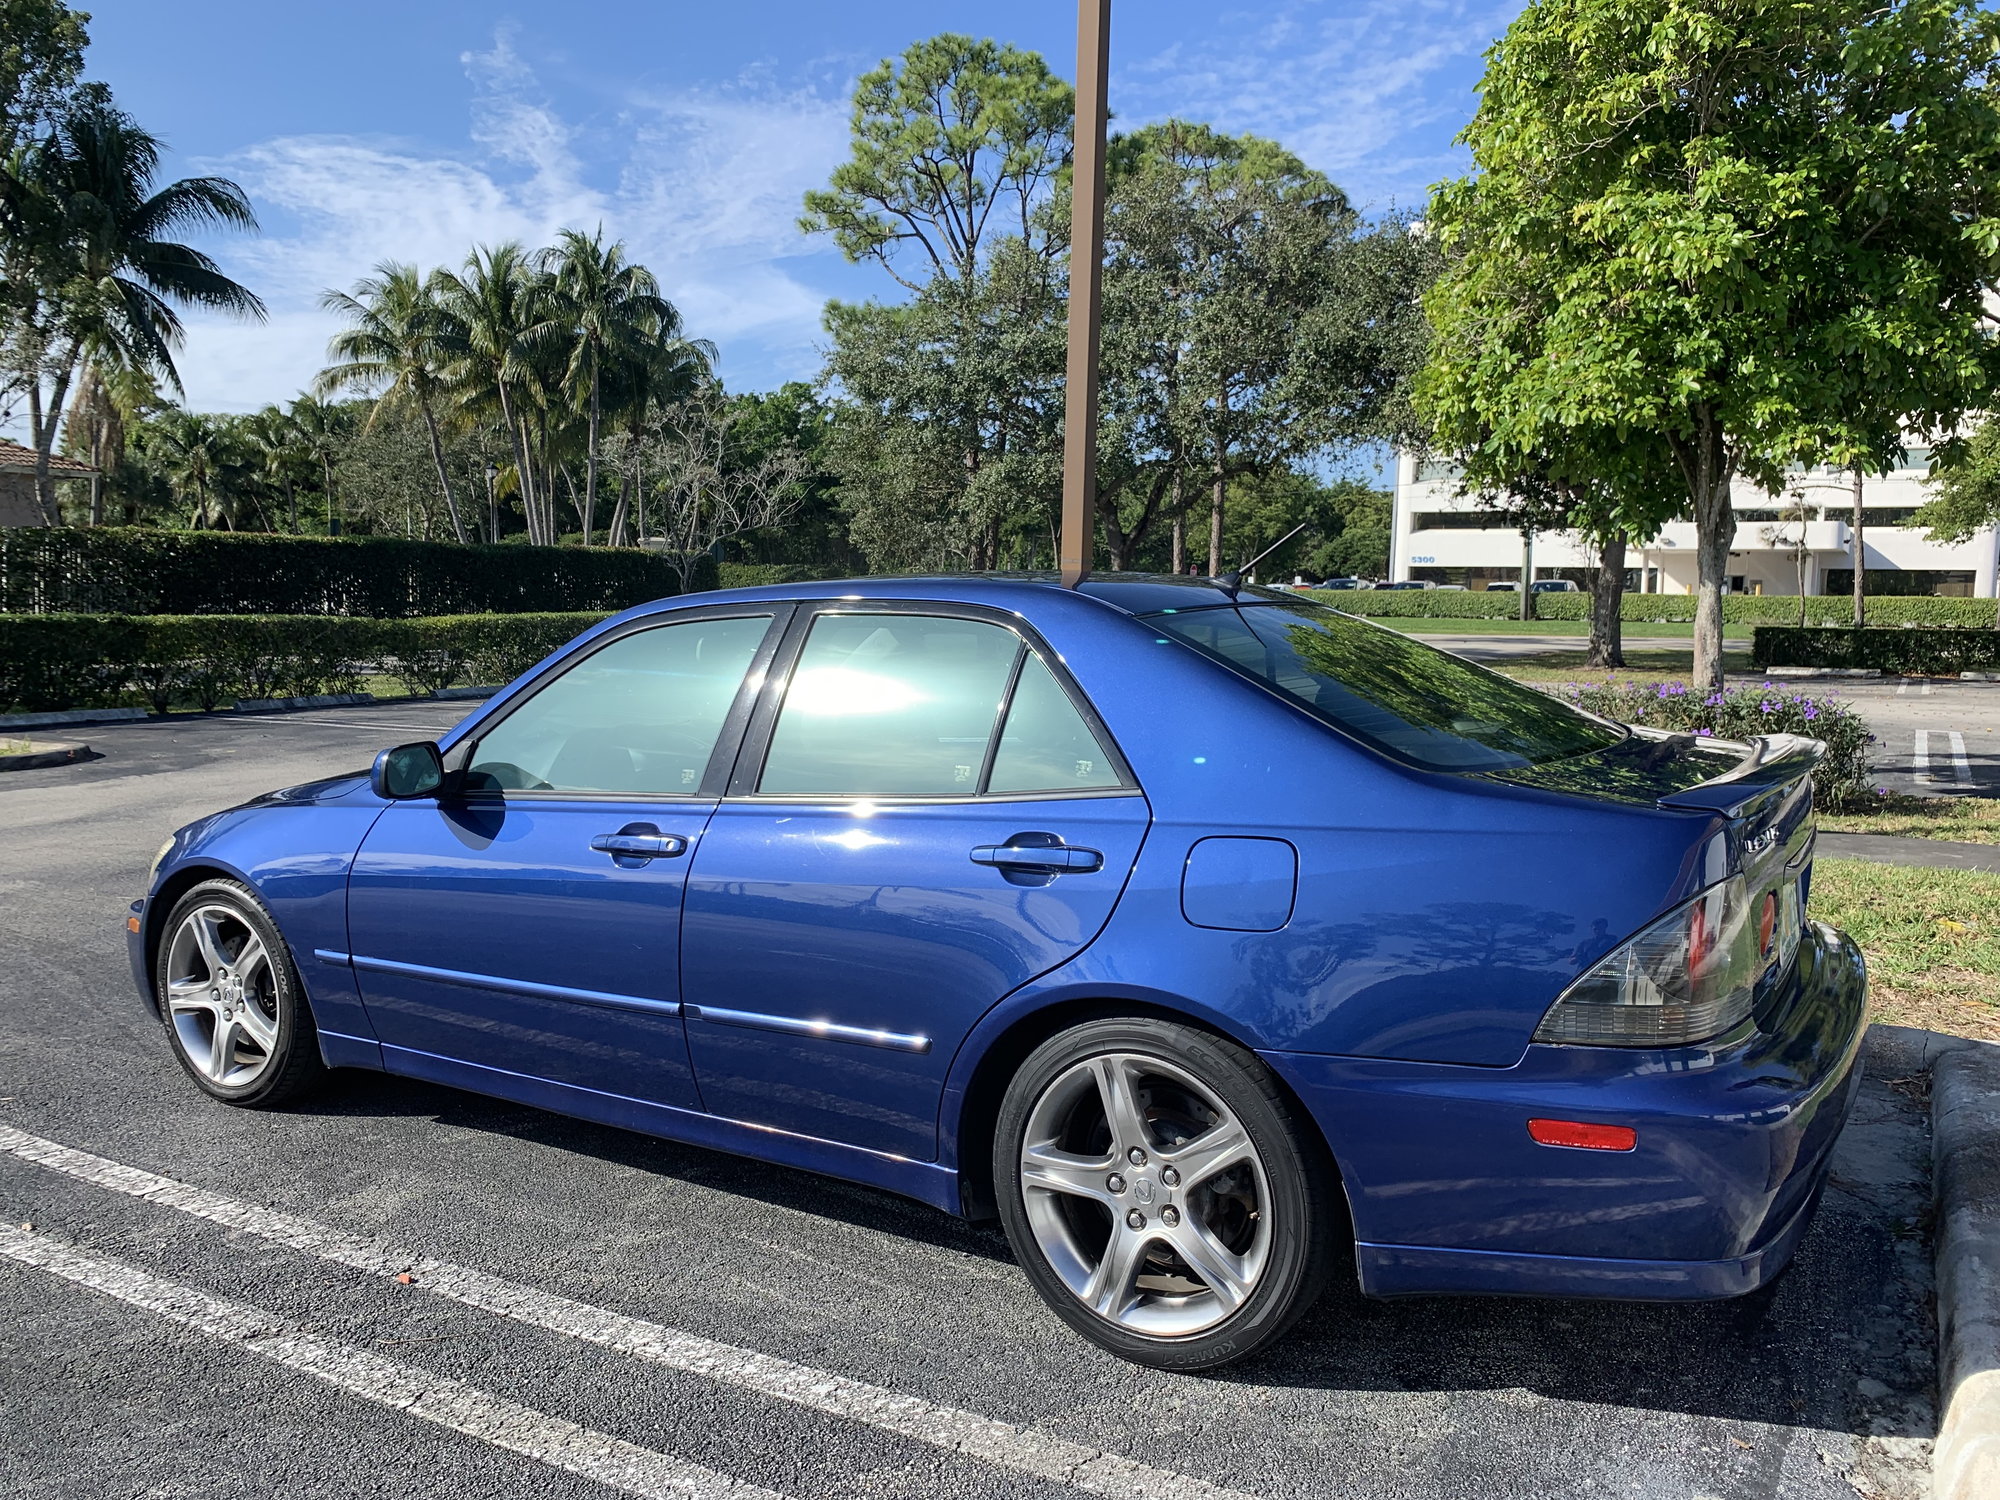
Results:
x,y
361,1372
1920,759
1026,1450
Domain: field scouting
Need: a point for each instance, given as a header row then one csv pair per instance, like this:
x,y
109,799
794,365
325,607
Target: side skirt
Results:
x,y
925,1181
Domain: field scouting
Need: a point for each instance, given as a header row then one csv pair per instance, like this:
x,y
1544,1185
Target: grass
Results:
x,y
1964,820
1632,630
1931,938
1642,664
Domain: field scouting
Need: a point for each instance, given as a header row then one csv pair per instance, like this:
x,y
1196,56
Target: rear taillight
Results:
x,y
1690,976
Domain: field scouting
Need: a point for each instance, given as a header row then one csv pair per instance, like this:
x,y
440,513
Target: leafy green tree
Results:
x,y
1759,234
41,54
1965,490
956,143
645,378
393,348
947,446
88,261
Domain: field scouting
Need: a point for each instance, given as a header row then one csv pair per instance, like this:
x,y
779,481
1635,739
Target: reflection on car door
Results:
x,y
923,819
532,925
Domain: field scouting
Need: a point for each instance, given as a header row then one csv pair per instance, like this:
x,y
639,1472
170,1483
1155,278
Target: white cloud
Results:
x,y
1353,89
704,188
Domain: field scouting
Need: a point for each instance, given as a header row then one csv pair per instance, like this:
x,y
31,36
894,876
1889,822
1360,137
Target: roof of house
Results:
x,y
15,459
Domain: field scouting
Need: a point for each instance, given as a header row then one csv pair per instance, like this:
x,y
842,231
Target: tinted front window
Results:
x,y
1399,695
890,705
640,715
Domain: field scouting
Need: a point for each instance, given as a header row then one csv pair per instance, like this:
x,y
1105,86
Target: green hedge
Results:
x,y
764,575
1911,650
51,662
138,571
1737,609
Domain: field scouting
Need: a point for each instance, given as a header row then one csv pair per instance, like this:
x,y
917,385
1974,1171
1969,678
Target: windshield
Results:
x,y
1402,697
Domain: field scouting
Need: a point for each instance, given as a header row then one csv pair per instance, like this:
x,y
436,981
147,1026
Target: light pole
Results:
x,y
1086,275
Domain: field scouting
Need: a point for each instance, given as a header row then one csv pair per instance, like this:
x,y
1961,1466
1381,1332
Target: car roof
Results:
x,y
1130,593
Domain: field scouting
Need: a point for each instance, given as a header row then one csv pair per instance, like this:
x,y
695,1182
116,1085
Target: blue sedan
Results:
x,y
1209,938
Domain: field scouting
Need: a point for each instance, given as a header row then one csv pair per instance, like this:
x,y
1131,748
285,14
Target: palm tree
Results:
x,y
112,275
643,379
393,348
280,453
110,395
492,313
192,451
606,306
321,429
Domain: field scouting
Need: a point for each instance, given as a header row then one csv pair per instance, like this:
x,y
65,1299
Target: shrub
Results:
x,y
50,662
134,570
1737,609
763,575
1840,781
1916,651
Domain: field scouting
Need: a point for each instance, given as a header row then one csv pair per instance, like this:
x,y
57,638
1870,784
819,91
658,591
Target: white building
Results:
x,y
1446,538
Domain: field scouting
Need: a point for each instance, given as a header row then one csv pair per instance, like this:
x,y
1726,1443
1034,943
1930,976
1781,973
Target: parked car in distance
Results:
x,y
1554,586
1346,583
1502,588
1408,583
1166,922
1449,588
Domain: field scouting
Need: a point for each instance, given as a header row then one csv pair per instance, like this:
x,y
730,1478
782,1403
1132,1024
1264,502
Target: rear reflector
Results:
x,y
1582,1136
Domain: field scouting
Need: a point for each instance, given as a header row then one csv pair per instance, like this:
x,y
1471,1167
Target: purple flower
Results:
x,y
1713,700
1704,733
1810,712
1767,706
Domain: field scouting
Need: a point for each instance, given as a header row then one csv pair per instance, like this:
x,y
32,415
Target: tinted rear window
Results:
x,y
1404,698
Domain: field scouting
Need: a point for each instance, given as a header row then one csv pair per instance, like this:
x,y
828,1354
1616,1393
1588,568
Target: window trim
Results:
x,y
728,739
756,744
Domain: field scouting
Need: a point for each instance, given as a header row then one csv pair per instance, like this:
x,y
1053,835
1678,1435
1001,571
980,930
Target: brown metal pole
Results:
x,y
1086,275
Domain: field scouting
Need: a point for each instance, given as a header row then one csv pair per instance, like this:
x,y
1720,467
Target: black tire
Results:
x,y
293,1065
1304,1209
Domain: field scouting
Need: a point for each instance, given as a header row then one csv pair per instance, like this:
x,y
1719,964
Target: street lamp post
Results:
x,y
1086,273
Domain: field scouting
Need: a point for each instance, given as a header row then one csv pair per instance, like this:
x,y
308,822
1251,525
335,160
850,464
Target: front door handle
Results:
x,y
636,843
1039,859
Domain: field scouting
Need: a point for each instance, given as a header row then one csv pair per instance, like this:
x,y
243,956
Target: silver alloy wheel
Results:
x,y
222,996
1145,1194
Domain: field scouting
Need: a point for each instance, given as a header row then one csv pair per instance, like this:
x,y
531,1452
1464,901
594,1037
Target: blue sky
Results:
x,y
367,130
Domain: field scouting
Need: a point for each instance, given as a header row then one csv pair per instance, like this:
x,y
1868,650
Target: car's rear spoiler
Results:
x,y
1775,764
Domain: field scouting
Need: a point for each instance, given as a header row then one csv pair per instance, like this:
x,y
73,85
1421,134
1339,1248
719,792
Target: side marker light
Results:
x,y
1581,1136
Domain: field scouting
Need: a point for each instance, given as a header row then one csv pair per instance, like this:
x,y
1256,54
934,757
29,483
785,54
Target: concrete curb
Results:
x,y
72,716
464,692
64,754
1808,672
318,700
1965,1148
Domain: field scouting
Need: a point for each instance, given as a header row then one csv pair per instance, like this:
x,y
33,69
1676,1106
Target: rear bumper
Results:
x,y
1449,1195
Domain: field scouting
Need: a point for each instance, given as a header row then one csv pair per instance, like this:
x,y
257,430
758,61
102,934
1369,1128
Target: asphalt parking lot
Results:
x,y
398,1290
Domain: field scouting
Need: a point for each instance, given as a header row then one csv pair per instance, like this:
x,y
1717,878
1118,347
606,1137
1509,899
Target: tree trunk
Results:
x,y
1607,593
1860,558
291,507
590,462
616,537
1705,467
42,428
326,473
1218,494
444,474
1178,563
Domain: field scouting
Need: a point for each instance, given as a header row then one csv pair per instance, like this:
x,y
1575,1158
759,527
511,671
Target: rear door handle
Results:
x,y
1060,858
639,842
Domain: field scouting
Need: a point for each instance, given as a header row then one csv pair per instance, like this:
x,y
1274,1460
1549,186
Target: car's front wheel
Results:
x,y
1160,1193
230,996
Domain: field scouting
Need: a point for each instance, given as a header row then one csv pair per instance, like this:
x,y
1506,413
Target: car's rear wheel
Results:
x,y
230,996
1160,1193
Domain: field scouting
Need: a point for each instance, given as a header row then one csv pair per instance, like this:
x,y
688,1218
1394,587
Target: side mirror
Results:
x,y
408,771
